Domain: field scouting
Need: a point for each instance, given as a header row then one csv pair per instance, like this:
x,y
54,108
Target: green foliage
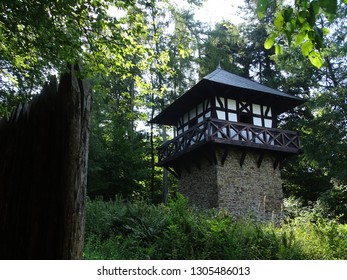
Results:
x,y
335,201
262,6
138,230
40,37
225,47
303,24
321,121
117,229
317,238
237,49
240,49
117,158
304,181
141,58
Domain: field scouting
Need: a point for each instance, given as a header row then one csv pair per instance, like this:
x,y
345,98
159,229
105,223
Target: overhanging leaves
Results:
x,y
302,22
329,7
316,59
262,6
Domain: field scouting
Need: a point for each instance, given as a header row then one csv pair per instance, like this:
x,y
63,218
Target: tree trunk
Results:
x,y
165,174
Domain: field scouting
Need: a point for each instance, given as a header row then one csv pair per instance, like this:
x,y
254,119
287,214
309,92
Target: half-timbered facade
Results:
x,y
227,109
224,118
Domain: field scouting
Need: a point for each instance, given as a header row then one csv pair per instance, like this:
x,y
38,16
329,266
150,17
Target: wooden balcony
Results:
x,y
229,133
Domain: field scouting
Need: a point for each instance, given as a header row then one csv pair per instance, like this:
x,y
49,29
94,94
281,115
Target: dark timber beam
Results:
x,y
242,158
214,155
197,163
260,159
187,166
225,155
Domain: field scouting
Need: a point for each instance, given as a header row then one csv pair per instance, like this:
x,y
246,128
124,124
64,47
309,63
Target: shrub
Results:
x,y
139,230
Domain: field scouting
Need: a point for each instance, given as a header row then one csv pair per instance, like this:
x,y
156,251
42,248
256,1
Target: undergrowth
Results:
x,y
140,230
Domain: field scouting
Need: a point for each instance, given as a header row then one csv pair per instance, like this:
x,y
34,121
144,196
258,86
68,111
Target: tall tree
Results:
x,y
117,162
43,36
239,49
318,172
322,121
38,37
172,42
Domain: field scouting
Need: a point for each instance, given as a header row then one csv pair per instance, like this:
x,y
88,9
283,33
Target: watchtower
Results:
x,y
227,150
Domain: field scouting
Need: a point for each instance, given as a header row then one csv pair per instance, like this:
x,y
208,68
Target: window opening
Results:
x,y
193,122
245,118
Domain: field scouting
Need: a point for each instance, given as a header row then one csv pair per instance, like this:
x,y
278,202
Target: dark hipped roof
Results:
x,y
224,83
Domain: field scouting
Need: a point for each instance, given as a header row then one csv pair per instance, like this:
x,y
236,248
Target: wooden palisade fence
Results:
x,y
43,173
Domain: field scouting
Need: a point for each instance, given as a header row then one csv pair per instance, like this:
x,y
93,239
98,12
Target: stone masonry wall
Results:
x,y
242,190
248,189
199,185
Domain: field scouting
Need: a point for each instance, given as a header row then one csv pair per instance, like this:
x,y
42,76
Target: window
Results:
x,y
220,102
193,122
185,118
245,118
192,114
256,109
267,111
268,123
232,117
200,108
257,121
221,115
231,104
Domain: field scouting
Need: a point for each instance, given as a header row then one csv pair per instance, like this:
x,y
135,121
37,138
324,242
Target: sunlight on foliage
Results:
x,y
302,23
139,230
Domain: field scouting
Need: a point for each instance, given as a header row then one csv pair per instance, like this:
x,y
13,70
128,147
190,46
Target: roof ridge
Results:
x,y
225,77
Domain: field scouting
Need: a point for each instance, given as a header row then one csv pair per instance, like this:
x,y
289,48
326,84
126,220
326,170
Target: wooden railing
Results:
x,y
226,132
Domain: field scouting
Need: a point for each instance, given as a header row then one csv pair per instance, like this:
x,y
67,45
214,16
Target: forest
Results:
x,y
141,55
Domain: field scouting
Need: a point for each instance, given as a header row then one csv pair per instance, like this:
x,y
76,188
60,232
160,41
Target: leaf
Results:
x,y
326,30
306,48
302,16
318,38
262,6
316,59
279,21
329,7
301,3
290,27
313,13
306,26
277,49
299,39
315,7
269,42
311,35
288,13
289,37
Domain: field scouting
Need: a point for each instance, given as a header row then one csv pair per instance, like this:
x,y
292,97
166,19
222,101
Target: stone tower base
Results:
x,y
244,183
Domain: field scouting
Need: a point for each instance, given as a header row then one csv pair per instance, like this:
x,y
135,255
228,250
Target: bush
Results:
x,y
140,230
